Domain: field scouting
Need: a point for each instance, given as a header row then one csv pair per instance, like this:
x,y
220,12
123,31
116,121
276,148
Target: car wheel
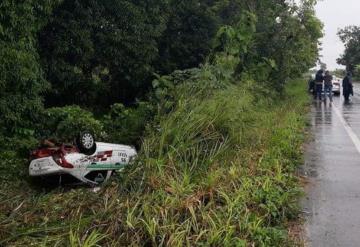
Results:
x,y
86,143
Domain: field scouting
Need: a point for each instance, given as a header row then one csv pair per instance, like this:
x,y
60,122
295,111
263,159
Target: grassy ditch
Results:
x,y
219,170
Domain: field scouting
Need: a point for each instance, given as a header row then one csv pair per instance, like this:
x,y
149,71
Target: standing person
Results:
x,y
347,87
328,85
319,79
311,85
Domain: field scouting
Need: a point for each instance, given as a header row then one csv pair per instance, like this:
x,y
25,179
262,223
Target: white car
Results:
x,y
88,161
336,82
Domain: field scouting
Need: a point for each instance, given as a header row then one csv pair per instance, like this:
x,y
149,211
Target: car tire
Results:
x,y
85,142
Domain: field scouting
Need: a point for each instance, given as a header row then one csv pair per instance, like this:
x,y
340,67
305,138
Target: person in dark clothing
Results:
x,y
347,87
311,85
328,85
319,79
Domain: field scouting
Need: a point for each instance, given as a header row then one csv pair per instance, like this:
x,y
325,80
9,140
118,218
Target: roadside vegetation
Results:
x,y
217,114
217,171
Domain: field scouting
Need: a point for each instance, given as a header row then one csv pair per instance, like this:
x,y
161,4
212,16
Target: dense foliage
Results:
x,y
350,36
187,39
96,53
21,76
64,123
200,87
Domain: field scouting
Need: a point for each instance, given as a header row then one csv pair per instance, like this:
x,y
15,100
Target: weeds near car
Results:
x,y
217,171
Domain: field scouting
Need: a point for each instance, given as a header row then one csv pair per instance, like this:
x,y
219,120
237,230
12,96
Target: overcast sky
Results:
x,y
336,14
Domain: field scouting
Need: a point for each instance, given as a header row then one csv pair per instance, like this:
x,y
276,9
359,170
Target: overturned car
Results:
x,y
88,161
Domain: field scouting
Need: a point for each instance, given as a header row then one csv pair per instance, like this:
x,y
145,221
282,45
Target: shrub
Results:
x,y
126,125
64,123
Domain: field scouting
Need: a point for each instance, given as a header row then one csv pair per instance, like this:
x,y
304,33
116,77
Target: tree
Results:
x,y
21,77
285,42
103,52
350,36
96,53
187,39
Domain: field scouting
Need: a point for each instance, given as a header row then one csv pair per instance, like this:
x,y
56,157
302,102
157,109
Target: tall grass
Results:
x,y
218,170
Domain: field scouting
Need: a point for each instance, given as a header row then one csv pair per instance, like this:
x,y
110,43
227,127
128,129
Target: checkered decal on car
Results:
x,y
103,156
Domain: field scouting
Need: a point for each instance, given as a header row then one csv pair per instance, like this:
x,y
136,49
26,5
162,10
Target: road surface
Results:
x,y
332,164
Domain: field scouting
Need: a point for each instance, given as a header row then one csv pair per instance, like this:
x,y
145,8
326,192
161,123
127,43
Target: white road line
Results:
x,y
355,139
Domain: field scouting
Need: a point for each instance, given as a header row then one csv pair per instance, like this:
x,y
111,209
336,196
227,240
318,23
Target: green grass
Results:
x,y
219,170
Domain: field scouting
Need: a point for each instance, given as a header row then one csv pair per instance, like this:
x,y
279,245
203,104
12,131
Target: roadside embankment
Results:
x,y
219,169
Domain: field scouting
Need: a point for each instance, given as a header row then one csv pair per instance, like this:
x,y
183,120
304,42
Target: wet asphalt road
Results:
x,y
332,164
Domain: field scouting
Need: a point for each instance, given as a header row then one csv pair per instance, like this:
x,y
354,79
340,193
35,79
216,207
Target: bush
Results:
x,y
126,125
64,123
12,167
